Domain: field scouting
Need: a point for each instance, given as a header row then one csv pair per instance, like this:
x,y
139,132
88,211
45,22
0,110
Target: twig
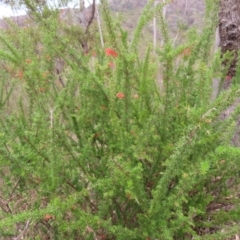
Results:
x,y
24,230
51,117
16,184
154,28
184,13
99,26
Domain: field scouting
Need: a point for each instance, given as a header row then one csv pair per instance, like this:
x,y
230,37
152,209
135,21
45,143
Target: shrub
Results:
x,y
115,145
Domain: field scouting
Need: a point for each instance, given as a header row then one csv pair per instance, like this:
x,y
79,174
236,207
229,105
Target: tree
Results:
x,y
229,32
229,42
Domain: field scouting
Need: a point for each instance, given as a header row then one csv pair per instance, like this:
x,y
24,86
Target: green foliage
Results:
x,y
108,144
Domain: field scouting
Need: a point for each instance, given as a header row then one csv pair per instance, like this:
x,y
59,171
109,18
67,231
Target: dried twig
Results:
x,y
51,117
99,27
24,230
16,184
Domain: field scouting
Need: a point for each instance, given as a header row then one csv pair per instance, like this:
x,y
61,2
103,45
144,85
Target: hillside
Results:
x,y
180,14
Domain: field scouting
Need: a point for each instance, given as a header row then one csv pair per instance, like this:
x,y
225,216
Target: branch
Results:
x,y
91,18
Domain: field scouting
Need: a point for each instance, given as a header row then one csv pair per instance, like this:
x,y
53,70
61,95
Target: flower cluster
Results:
x,y
120,95
110,52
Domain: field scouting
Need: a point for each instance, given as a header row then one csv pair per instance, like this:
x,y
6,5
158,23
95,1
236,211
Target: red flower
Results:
x,y
120,95
48,217
110,52
19,74
111,65
94,54
186,52
28,61
228,77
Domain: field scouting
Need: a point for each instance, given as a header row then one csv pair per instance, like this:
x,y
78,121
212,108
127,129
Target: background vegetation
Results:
x,y
115,142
